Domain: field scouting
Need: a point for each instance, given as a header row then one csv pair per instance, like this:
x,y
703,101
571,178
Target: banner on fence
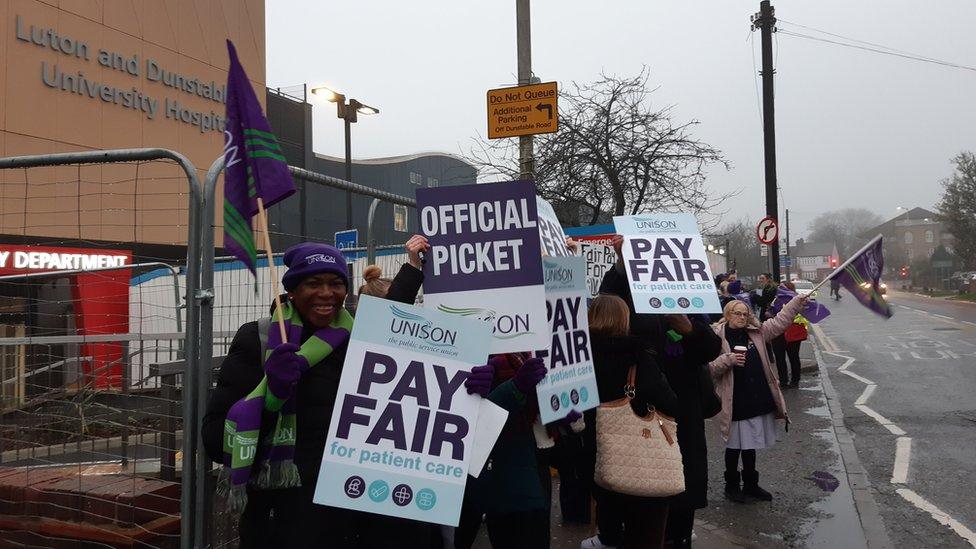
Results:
x,y
570,383
485,260
551,233
403,426
666,264
600,256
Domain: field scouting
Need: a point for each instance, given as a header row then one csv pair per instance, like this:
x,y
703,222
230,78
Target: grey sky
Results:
x,y
854,128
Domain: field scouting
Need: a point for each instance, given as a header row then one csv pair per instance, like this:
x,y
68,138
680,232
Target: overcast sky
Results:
x,y
853,128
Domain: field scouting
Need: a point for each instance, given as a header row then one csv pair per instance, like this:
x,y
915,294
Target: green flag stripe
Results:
x,y
234,224
262,143
266,154
259,133
242,239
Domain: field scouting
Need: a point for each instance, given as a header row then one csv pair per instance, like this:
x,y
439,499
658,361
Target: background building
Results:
x,y
912,236
813,261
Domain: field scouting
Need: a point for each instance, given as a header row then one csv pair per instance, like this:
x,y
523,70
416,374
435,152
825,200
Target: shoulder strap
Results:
x,y
263,325
630,389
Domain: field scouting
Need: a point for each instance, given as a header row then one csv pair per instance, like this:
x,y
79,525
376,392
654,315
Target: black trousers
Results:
x,y
630,522
288,519
783,349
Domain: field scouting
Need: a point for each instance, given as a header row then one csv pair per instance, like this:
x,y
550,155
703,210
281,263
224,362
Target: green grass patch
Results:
x,y
964,297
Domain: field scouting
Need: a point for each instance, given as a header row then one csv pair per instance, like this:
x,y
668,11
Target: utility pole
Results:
x,y
765,21
523,28
789,258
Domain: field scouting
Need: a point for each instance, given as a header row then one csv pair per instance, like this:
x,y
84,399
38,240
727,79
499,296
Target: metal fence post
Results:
x,y
189,482
205,366
370,240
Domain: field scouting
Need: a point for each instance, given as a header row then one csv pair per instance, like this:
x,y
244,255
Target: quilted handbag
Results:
x,y
637,456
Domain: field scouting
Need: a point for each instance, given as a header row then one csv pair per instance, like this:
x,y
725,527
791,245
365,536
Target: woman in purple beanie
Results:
x,y
294,384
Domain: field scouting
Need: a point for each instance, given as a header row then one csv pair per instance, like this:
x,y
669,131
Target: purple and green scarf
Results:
x,y
275,454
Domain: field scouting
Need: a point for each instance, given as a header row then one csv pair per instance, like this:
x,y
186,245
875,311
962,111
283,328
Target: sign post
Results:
x,y
767,231
347,239
523,110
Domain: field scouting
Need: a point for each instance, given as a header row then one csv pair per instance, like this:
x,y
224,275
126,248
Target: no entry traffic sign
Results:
x,y
767,231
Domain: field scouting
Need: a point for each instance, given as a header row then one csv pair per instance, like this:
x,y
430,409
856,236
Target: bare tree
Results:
x,y
847,228
613,154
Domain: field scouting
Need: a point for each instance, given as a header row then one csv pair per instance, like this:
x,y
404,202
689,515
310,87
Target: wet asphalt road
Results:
x,y
922,362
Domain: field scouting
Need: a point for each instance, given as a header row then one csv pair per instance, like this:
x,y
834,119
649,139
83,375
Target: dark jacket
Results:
x,y
764,298
683,371
510,481
240,373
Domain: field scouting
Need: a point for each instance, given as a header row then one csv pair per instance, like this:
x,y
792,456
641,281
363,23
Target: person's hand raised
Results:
x,y
414,246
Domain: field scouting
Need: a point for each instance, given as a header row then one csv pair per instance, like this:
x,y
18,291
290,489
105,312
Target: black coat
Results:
x,y
683,373
290,520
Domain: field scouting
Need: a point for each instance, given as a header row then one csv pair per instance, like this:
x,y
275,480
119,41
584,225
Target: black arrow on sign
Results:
x,y
544,107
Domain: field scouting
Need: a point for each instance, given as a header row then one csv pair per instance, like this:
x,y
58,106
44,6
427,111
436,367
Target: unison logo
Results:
x,y
419,327
503,326
651,223
555,273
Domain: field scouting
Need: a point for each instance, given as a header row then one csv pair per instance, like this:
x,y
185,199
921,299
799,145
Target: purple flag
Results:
x,y
861,275
814,312
255,165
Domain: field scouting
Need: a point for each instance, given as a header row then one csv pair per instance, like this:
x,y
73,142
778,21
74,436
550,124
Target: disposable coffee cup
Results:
x,y
740,350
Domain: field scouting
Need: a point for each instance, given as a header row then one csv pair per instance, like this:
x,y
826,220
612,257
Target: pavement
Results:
x,y
802,514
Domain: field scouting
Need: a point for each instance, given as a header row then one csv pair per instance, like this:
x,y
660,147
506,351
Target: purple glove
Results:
x,y
480,380
529,375
283,369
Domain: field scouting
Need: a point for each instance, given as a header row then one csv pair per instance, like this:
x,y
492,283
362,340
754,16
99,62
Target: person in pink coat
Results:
x,y
747,383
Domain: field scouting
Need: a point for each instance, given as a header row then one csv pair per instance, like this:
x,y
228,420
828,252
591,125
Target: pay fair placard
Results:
x,y
570,383
666,264
402,430
485,260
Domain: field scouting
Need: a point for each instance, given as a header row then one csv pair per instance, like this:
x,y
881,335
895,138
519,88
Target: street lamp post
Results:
x,y
349,112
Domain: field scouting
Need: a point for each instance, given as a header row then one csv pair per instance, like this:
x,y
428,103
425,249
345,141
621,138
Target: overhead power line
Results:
x,y
870,47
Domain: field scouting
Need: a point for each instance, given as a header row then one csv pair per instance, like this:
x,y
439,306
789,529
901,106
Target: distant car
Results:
x,y
805,287
882,287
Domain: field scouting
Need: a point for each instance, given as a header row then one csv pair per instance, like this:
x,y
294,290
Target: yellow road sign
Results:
x,y
523,110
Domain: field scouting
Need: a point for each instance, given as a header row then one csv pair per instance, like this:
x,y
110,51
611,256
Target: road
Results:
x,y
907,387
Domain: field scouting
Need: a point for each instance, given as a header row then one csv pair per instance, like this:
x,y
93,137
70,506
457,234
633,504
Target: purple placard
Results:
x,y
482,237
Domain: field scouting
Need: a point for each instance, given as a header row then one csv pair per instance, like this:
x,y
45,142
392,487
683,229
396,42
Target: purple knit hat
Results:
x,y
308,259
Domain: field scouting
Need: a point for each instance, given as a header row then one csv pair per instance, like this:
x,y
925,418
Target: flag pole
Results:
x,y
846,263
263,220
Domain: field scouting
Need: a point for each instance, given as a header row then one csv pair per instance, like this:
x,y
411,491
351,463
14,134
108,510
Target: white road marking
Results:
x,y
939,515
868,391
883,421
903,456
863,380
943,316
968,322
903,445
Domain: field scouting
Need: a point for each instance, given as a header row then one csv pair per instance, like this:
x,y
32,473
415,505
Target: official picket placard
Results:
x,y
551,235
666,264
485,260
600,256
403,426
570,383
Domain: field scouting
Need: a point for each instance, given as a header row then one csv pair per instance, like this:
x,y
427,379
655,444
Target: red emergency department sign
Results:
x,y
21,259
